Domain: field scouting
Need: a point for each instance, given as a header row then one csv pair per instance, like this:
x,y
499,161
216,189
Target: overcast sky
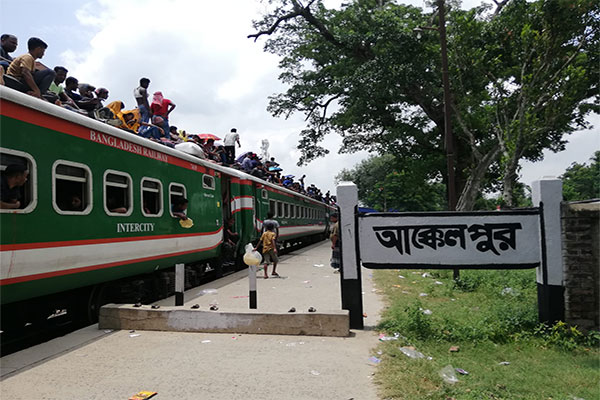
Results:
x,y
197,54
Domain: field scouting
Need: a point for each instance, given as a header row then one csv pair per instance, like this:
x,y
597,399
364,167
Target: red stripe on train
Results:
x,y
27,278
38,118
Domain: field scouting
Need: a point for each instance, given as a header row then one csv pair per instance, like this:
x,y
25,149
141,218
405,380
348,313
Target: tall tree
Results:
x,y
581,181
385,185
522,77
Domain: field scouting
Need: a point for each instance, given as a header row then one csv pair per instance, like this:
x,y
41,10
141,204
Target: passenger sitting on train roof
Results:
x,y
259,171
13,177
101,94
174,135
151,131
58,89
21,74
71,85
221,154
178,208
87,102
210,151
249,162
8,45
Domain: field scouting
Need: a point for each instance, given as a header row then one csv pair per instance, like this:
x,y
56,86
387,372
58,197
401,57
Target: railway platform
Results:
x,y
115,364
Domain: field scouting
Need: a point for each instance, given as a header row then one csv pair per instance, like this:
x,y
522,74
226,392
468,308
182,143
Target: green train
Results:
x,y
96,218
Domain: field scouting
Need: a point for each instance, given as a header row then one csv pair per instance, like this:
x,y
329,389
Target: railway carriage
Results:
x,y
96,216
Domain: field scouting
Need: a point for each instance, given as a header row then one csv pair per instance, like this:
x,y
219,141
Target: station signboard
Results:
x,y
481,240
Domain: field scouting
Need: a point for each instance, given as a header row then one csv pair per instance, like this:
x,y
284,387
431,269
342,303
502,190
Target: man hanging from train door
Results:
x,y
335,243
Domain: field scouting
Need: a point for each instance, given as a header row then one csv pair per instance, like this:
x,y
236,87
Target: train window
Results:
x,y
280,209
264,194
72,188
292,211
176,192
297,211
286,210
152,198
273,207
208,182
118,192
25,192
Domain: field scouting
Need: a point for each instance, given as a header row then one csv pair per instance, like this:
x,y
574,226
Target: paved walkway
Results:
x,y
93,364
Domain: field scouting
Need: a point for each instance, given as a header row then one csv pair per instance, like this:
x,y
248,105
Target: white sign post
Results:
x,y
514,239
351,285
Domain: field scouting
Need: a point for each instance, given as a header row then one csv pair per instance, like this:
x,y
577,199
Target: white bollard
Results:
x,y
179,283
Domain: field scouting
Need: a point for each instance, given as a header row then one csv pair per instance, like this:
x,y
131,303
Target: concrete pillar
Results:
x,y
179,283
351,285
547,192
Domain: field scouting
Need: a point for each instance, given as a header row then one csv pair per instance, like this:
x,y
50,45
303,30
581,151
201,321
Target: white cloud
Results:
x,y
198,55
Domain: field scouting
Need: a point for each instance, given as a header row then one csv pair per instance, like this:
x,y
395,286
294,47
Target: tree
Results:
x,y
385,185
522,78
582,182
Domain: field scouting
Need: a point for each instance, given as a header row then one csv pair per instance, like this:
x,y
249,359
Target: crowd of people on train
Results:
x,y
150,118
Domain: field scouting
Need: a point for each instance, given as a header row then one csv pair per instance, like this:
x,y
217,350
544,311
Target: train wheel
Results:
x,y
97,298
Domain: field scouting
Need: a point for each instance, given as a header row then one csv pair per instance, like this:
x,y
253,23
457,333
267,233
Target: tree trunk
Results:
x,y
509,180
473,184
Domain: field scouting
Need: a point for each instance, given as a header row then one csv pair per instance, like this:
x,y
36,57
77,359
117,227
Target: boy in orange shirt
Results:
x,y
269,249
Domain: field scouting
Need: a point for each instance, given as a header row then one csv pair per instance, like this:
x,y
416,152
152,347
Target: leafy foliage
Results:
x,y
522,78
386,185
582,182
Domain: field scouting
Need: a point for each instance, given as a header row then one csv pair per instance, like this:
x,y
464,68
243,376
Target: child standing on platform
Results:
x,y
269,249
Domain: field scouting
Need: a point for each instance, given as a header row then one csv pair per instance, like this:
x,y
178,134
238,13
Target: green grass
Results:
x,y
492,317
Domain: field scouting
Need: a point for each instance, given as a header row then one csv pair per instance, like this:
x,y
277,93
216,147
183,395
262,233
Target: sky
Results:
x,y
197,53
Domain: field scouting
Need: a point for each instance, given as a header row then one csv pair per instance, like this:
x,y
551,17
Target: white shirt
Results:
x,y
140,93
231,138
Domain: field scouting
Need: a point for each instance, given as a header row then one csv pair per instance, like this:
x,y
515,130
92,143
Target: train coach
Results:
x,y
96,222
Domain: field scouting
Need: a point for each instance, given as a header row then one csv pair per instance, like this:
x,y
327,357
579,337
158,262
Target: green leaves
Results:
x,y
521,78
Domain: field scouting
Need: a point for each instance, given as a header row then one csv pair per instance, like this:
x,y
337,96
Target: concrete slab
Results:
x,y
181,319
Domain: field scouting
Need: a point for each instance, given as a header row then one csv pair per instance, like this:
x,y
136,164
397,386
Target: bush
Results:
x,y
566,337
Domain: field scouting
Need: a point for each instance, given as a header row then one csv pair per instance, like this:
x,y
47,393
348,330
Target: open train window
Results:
x,y
286,210
280,209
208,182
176,192
152,198
264,194
71,188
297,211
118,193
273,207
25,192
292,211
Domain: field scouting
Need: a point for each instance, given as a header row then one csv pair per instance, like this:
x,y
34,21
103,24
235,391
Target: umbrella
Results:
x,y
275,169
242,156
207,136
289,176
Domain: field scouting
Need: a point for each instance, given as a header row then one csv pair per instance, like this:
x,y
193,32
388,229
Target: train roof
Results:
x,y
51,109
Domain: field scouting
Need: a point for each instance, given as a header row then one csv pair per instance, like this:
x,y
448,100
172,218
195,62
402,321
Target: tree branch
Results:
x,y
499,6
464,127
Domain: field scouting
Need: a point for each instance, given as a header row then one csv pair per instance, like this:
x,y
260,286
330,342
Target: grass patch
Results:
x,y
492,317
